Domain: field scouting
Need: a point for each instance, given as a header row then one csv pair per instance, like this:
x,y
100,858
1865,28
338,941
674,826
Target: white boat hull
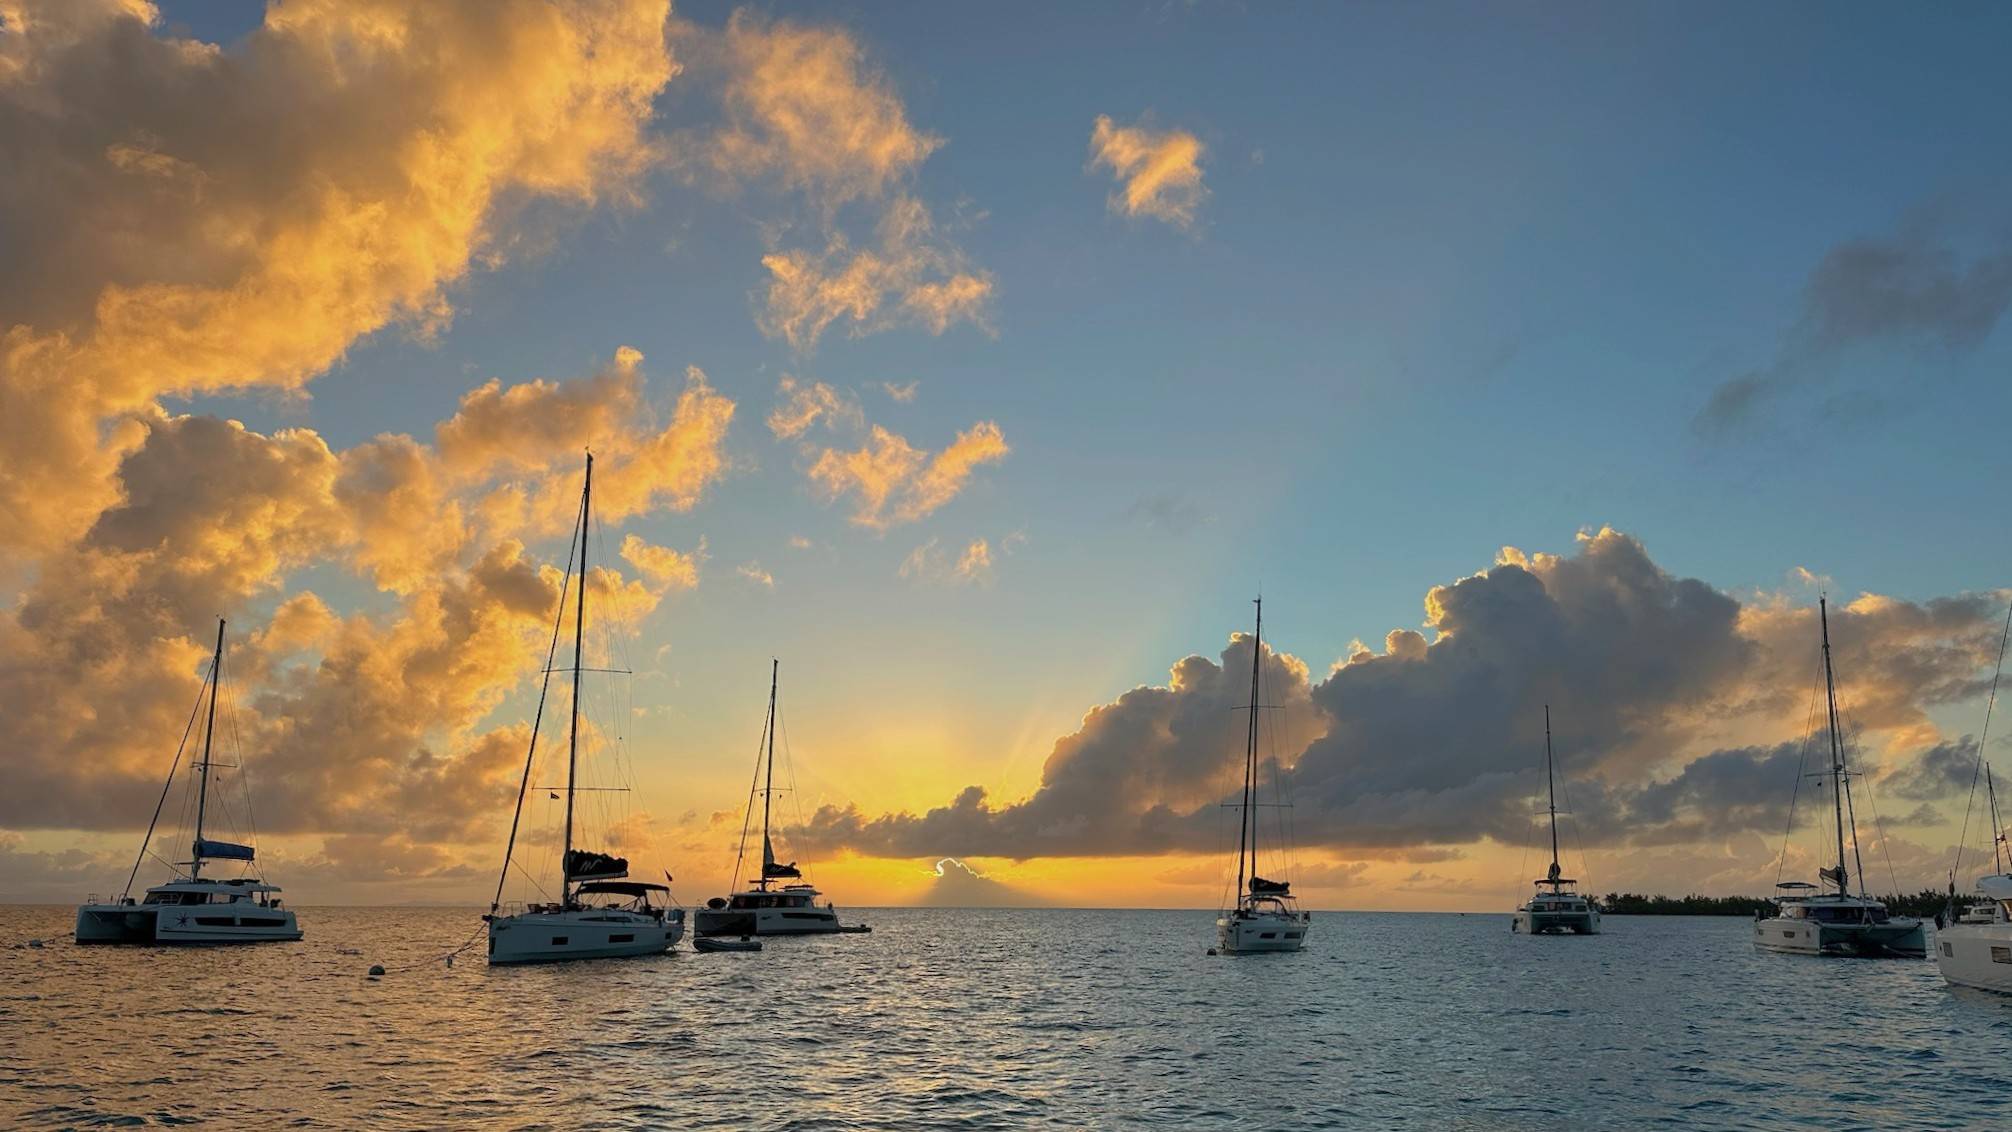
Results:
x,y
1899,938
194,925
1976,955
1527,922
765,921
584,933
1237,935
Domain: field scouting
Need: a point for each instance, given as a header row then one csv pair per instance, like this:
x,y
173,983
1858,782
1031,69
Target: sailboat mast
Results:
x,y
1836,750
1246,820
203,769
579,659
1997,827
1551,786
768,782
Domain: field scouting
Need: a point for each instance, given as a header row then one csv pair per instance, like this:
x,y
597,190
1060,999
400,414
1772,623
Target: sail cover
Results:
x,y
769,869
1260,886
1834,876
223,851
584,865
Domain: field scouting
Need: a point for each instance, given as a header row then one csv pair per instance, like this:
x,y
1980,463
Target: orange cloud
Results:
x,y
1159,171
894,482
210,221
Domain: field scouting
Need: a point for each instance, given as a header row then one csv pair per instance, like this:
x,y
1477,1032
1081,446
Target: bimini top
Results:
x,y
621,887
1996,887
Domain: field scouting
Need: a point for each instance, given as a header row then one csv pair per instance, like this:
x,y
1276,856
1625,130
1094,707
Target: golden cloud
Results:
x,y
894,482
206,221
1159,171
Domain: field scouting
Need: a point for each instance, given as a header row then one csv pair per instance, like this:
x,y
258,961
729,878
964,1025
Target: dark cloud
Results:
x,y
1910,290
1439,742
1941,771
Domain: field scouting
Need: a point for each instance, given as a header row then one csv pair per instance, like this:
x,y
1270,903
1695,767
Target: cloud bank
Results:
x,y
1437,740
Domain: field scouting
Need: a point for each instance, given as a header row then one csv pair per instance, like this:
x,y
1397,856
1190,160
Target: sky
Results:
x,y
980,365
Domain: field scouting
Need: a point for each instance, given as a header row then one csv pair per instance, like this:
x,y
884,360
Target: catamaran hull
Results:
x,y
172,926
115,923
1555,923
1899,939
557,937
1976,955
1247,934
765,921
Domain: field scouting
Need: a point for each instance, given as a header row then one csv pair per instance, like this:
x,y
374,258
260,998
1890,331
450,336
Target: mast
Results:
x,y
1836,749
1997,827
768,782
1551,786
203,768
579,659
1246,822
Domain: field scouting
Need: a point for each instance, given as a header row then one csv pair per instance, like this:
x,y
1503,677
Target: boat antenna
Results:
x,y
203,768
1551,785
768,781
579,660
1836,750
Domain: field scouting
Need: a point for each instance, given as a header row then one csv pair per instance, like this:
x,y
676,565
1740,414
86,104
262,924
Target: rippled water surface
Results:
x,y
998,1019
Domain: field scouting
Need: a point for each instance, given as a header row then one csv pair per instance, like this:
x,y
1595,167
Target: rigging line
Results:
x,y
1990,702
1885,843
747,815
244,777
179,748
1851,812
1801,760
537,720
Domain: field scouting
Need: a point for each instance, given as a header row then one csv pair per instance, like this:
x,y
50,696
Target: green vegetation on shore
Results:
x,y
1924,903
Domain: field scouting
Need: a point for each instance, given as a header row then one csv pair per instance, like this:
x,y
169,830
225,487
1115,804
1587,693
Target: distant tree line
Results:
x,y
1925,903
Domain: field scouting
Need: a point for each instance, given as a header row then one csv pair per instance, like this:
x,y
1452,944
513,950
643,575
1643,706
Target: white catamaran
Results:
x,y
1265,916
1810,921
765,908
1563,908
1973,944
192,908
599,914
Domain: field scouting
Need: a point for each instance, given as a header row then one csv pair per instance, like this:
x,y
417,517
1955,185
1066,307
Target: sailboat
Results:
x,y
600,914
192,908
1563,908
1265,916
1973,945
1811,921
766,908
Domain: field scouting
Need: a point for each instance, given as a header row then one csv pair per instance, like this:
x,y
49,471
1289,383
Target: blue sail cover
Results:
x,y
223,851
583,864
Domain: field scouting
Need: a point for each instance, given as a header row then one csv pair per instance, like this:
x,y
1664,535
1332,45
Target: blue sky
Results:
x,y
1463,280
1465,277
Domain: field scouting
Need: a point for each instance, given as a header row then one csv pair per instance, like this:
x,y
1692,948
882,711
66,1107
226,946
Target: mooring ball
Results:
x,y
376,969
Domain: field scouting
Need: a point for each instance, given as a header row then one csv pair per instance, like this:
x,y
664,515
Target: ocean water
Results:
x,y
998,1019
